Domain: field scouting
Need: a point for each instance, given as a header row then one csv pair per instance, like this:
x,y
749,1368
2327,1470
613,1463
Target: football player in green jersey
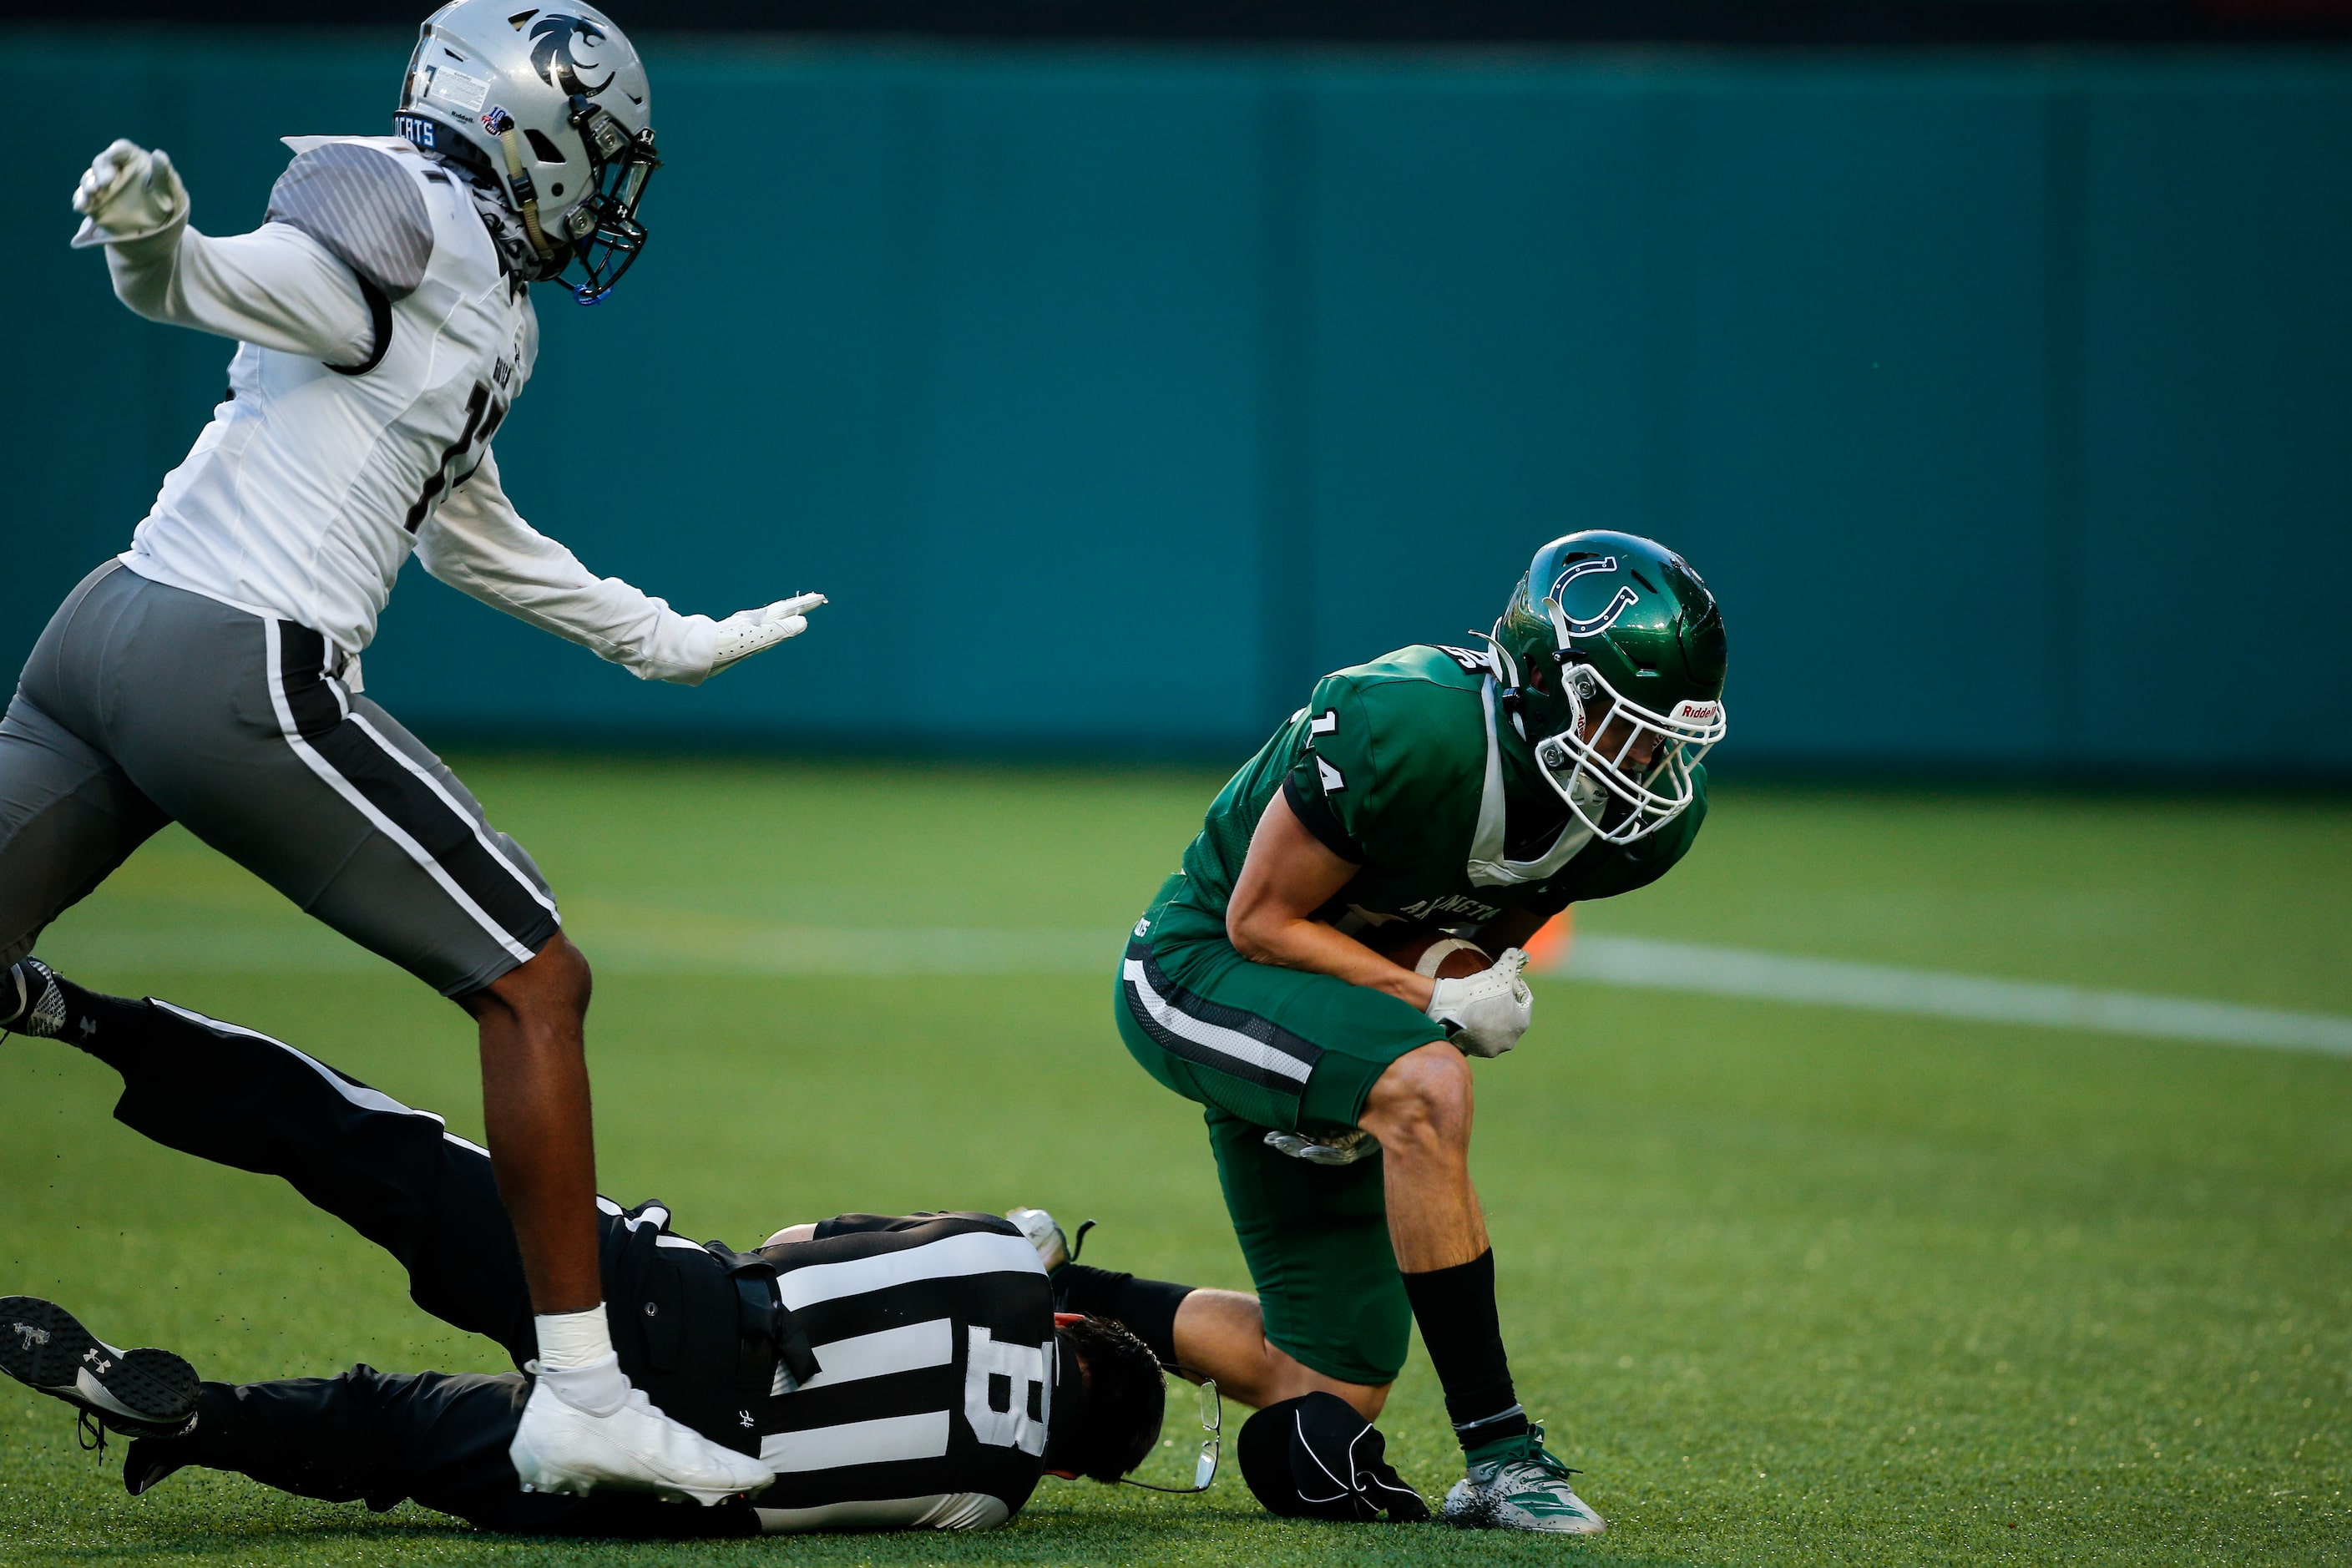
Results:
x,y
1480,791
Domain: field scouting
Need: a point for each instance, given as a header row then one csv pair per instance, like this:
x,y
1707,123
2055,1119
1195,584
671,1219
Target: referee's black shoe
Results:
x,y
30,1001
140,1393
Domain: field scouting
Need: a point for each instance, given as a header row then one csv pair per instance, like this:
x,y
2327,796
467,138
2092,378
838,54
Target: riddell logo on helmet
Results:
x,y
1698,713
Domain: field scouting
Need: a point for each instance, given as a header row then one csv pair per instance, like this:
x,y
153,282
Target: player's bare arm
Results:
x,y
1288,876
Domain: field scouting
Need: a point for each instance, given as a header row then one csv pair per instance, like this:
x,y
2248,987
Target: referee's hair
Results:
x,y
1126,1395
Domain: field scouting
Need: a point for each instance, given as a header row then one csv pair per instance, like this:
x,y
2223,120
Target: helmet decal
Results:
x,y
551,53
443,83
1624,600
1584,568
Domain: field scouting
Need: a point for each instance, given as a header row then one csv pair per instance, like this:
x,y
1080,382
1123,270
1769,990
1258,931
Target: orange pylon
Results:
x,y
1547,948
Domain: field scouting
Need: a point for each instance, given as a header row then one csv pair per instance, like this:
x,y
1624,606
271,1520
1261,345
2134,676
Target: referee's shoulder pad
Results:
x,y
360,202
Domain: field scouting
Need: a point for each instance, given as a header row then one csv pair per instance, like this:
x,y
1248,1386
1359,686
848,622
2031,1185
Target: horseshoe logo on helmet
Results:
x,y
552,58
1622,601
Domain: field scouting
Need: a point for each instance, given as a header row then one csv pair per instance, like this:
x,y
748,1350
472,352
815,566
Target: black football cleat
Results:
x,y
30,1002
140,1393
151,1461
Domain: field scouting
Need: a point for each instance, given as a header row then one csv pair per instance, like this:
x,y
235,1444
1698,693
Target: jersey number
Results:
x,y
476,431
1004,1392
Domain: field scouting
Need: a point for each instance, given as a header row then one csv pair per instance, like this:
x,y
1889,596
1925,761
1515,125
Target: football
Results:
x,y
1427,950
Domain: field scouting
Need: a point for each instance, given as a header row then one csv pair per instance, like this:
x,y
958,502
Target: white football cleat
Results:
x,y
1519,1485
559,1447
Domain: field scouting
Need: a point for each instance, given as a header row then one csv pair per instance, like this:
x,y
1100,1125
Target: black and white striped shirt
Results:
x,y
934,1338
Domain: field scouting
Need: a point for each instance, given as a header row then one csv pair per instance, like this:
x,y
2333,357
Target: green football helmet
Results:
x,y
1612,654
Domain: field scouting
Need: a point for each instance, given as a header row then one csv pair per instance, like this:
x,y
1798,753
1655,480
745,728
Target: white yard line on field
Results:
x,y
644,942
1829,982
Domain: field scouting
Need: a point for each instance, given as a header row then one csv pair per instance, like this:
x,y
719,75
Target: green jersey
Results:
x,y
1407,767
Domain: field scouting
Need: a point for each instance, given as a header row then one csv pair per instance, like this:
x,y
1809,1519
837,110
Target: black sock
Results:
x,y
1146,1306
1455,1309
110,1028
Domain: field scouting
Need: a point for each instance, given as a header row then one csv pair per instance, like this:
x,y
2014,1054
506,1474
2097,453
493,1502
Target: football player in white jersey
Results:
x,y
210,674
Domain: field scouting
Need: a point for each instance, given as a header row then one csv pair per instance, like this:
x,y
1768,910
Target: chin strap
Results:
x,y
526,193
1507,678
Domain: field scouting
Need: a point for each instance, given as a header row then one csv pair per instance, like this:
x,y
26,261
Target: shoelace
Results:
x,y
90,1433
1541,1459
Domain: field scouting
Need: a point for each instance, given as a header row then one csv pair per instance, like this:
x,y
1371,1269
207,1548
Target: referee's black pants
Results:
x,y
423,1194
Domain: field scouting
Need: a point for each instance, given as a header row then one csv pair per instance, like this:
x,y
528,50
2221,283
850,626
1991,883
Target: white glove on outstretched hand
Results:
x,y
1484,1013
127,194
747,632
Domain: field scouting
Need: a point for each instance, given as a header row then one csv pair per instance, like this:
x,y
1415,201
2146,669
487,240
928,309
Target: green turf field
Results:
x,y
1793,1285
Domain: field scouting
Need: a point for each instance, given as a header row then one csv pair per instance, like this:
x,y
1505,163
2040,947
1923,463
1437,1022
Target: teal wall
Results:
x,y
2005,400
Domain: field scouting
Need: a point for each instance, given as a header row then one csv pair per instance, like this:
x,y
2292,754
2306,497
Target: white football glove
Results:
x,y
747,632
1484,1013
127,194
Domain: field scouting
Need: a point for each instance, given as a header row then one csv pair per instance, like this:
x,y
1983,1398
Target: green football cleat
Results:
x,y
1515,1484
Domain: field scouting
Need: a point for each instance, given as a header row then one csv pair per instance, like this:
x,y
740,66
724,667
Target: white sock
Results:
x,y
577,1361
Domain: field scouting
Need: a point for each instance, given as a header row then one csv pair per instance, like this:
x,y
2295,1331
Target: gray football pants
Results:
x,y
143,704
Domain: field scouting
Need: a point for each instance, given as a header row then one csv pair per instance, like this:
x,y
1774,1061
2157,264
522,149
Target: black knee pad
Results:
x,y
1313,1458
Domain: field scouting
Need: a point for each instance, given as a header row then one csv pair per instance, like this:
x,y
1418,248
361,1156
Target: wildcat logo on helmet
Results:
x,y
552,56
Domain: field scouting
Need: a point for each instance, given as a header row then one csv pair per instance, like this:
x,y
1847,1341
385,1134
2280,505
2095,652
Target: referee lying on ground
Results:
x,y
906,1373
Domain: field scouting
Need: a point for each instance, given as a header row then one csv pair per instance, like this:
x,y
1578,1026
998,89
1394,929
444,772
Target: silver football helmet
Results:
x,y
550,103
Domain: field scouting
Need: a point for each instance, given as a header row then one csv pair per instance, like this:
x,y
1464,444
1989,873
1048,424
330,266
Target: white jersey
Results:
x,y
306,493
382,344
